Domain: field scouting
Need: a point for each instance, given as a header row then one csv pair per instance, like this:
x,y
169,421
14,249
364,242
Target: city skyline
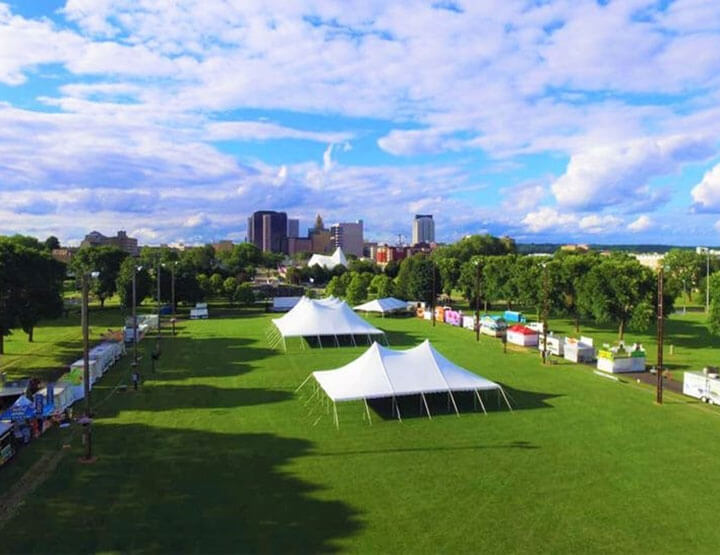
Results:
x,y
553,121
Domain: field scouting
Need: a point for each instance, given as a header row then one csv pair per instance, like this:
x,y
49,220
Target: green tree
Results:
x,y
380,287
143,282
202,259
337,285
449,269
52,243
619,291
216,285
392,269
106,261
357,289
229,287
415,279
363,266
468,281
686,267
714,316
572,268
244,294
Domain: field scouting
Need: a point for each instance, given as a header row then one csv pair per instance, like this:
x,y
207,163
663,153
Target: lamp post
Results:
x,y
434,294
87,419
172,294
660,338
707,281
136,269
158,301
546,287
477,300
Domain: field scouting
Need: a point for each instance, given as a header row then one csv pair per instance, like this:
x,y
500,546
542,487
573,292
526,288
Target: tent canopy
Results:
x,y
323,317
329,262
382,372
387,304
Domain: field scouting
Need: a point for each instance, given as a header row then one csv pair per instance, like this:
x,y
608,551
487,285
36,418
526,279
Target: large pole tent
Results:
x,y
330,317
329,262
383,306
385,373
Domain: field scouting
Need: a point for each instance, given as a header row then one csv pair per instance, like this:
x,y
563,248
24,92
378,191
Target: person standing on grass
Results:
x,y
135,379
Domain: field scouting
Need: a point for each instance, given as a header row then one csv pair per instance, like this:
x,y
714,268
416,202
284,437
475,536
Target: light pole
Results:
x,y
545,313
136,269
434,294
477,300
707,281
660,330
172,294
158,301
87,419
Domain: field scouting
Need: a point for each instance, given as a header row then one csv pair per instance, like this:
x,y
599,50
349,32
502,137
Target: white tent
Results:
x,y
387,304
322,318
381,372
329,262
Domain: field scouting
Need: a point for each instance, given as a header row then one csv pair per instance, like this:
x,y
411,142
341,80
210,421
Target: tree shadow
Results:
x,y
177,491
168,397
412,406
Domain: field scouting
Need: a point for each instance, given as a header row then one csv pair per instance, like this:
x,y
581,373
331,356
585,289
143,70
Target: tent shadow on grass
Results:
x,y
177,491
165,397
449,449
411,406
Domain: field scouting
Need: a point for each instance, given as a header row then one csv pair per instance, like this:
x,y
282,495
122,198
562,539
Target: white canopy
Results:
x,y
382,372
329,262
387,304
323,317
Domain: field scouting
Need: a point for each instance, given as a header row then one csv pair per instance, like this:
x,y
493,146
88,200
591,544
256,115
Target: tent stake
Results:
x,y
422,395
367,410
481,403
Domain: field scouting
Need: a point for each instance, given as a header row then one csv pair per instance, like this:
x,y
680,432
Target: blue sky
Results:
x,y
560,120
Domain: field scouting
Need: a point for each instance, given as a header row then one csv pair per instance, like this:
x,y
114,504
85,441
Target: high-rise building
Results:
x,y
267,230
293,227
348,236
423,229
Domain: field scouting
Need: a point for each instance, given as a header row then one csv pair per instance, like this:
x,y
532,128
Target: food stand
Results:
x,y
620,359
579,350
494,326
522,335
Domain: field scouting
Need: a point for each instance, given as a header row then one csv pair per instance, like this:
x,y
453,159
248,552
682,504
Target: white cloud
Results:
x,y
619,175
552,220
706,194
642,223
262,131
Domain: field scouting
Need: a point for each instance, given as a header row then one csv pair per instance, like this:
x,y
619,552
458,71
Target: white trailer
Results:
x,y
702,385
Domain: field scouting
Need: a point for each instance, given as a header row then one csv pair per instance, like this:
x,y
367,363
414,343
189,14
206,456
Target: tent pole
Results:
x,y
337,422
452,397
369,340
284,344
397,408
481,403
320,341
337,343
304,382
506,399
367,410
352,336
422,395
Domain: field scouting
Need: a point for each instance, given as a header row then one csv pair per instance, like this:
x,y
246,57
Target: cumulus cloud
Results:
x,y
549,219
619,175
706,194
263,131
642,223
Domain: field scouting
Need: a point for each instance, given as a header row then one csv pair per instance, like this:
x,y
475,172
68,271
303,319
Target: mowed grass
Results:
x,y
217,454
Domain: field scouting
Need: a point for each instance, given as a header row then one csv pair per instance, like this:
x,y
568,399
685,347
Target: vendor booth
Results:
x,y
619,358
468,322
7,449
494,326
200,312
453,317
522,335
579,350
386,305
555,344
514,317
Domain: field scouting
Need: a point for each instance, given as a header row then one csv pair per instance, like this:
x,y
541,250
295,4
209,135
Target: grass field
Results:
x,y
217,454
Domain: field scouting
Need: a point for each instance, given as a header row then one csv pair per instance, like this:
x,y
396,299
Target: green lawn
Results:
x,y
217,454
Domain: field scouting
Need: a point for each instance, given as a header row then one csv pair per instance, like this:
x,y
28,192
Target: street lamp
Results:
x,y
660,337
136,269
546,287
87,419
434,294
478,268
158,301
707,281
172,293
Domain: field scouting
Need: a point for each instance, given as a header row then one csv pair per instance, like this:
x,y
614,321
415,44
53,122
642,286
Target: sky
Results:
x,y
546,120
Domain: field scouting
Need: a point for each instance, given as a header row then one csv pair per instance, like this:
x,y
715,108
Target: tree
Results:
x,y
357,289
686,267
9,273
216,284
620,291
293,275
468,278
229,287
240,259
244,294
380,286
337,286
143,282
392,268
200,258
415,279
52,243
106,261
714,316
363,266
571,270
449,269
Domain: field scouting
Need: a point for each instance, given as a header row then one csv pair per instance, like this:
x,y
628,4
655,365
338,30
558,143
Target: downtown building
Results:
x,y
348,236
121,241
268,231
423,229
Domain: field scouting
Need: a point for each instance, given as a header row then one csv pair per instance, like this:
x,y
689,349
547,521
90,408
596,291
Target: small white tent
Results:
x,y
383,306
381,372
322,318
329,262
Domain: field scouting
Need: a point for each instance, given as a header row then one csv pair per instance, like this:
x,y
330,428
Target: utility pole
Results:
x,y
477,301
545,314
707,281
86,364
158,300
134,317
434,294
172,294
660,323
